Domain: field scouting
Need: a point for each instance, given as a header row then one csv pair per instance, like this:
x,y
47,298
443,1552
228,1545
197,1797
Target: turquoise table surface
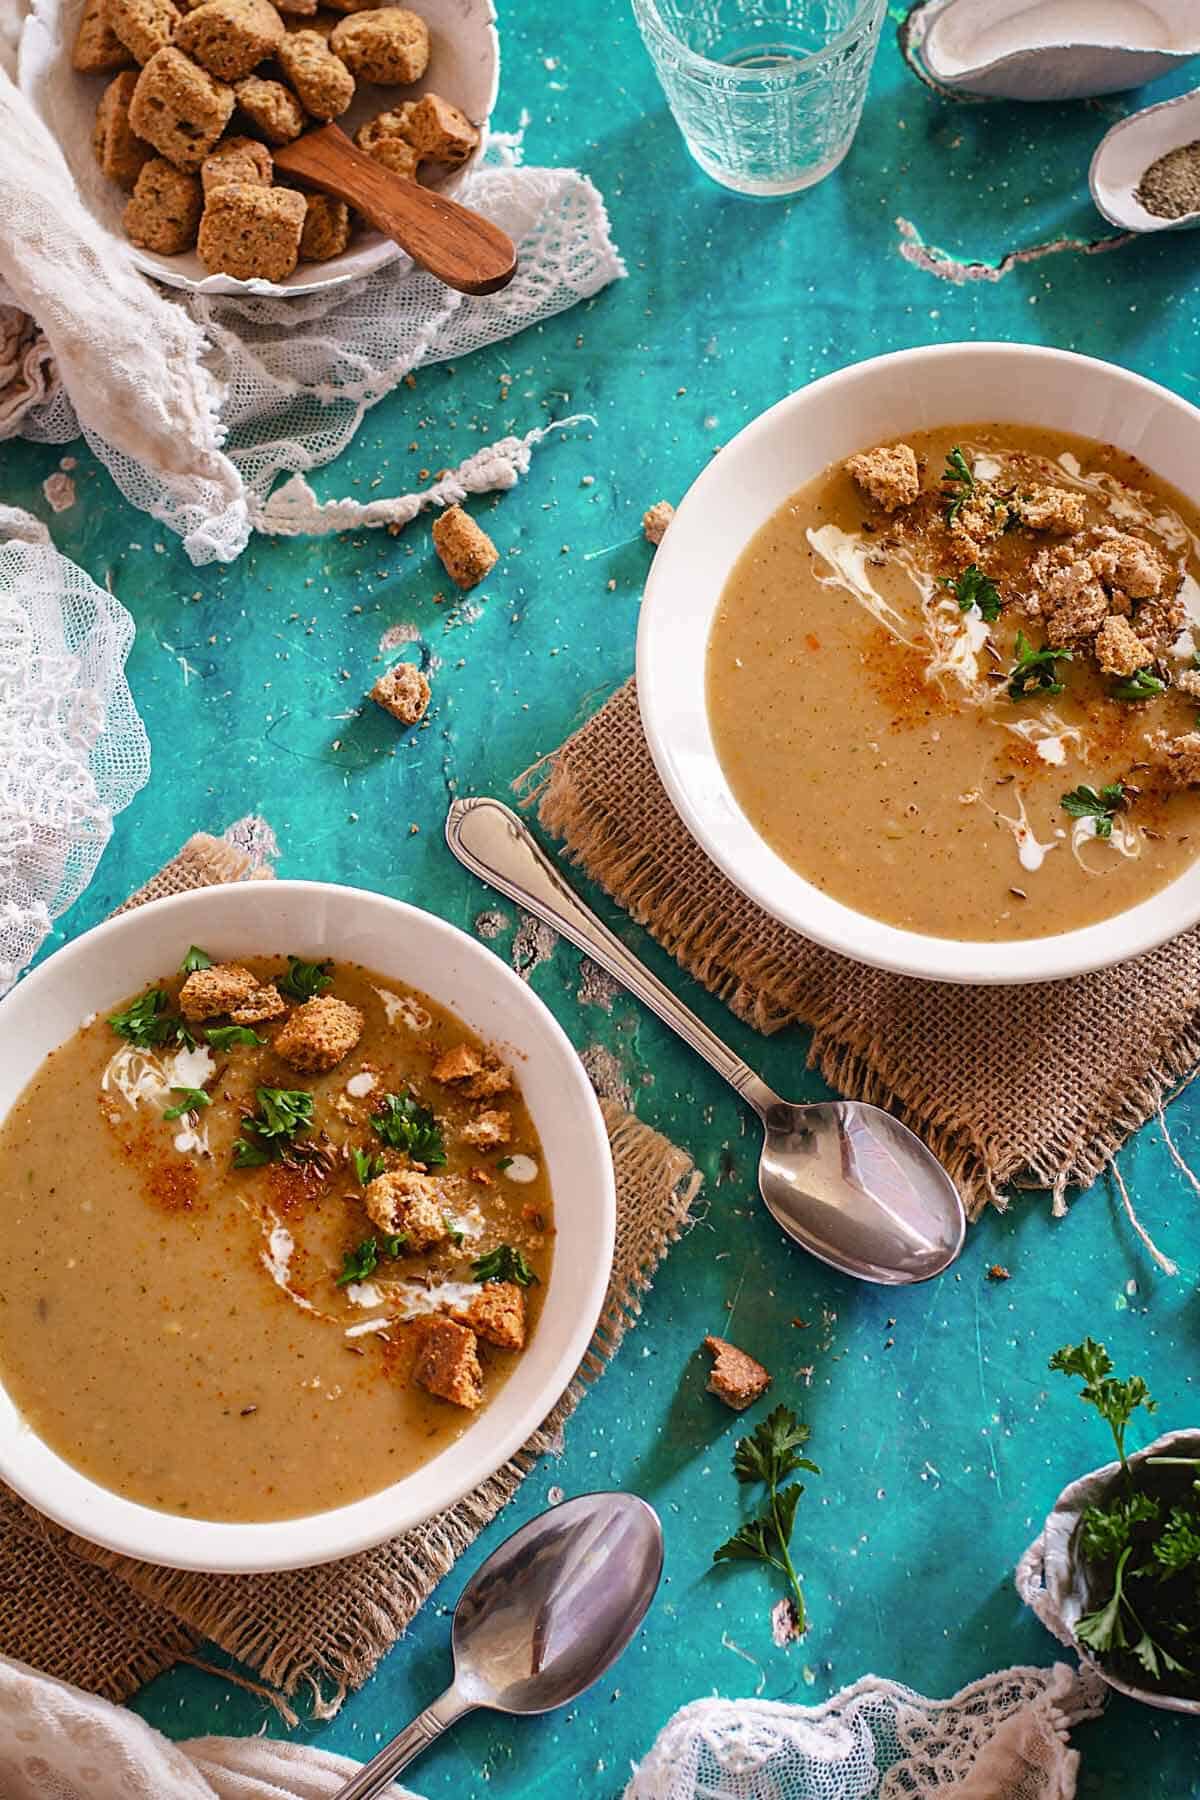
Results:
x,y
942,1439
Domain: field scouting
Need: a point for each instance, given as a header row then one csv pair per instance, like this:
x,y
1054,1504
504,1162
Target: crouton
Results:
x,y
326,228
1121,560
163,212
476,1076
271,108
179,108
385,137
403,1202
208,992
230,37
143,26
322,81
402,691
1188,682
387,44
1159,622
888,474
98,50
980,520
1050,509
237,159
487,1130
1069,596
467,553
1119,650
447,1362
1179,760
655,520
265,1003
440,132
120,153
497,1315
735,1377
251,232
319,1034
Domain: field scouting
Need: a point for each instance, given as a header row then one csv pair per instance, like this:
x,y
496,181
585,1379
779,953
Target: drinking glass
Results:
x,y
767,93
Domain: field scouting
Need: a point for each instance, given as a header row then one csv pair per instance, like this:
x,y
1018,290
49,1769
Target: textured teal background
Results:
x,y
942,1439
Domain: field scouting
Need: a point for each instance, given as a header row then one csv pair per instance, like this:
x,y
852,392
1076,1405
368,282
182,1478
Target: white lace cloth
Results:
x,y
1002,1738
73,750
199,404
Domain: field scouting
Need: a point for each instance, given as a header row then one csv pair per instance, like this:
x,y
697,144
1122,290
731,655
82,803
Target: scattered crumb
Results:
x,y
59,490
735,1377
655,521
998,1272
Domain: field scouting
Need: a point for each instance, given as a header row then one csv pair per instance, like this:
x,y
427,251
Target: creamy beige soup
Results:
x,y
219,1340
879,730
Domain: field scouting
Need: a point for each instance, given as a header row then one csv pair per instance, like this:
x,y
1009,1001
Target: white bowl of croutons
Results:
x,y
159,106
323,1236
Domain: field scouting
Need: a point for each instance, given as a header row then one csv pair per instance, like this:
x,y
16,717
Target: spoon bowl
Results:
x,y
545,1616
1125,153
844,1179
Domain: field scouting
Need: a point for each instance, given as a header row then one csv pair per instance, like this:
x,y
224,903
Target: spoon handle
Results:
x,y
489,839
459,246
408,1744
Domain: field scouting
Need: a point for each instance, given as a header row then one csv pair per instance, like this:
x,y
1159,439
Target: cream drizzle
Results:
x,y
400,1009
276,1259
141,1077
521,1169
1049,736
1126,840
845,554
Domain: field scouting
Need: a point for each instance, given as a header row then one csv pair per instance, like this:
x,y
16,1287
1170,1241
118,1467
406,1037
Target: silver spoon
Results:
x,y
847,1181
543,1618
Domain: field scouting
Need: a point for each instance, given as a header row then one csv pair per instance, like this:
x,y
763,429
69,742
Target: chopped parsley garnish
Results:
x,y
195,960
503,1264
305,980
361,1262
224,1037
1142,685
366,1166
145,1023
1086,803
405,1124
193,1099
1035,671
454,1230
974,588
958,483
768,1457
506,1162
282,1113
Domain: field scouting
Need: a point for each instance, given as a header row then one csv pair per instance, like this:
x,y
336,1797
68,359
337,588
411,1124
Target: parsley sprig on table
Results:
x,y
305,980
1085,803
958,483
1035,672
147,1023
361,1263
974,588
1153,1563
503,1264
768,1456
1143,684
405,1124
282,1114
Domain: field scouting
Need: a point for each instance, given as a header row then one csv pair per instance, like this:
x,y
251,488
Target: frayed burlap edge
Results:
x,y
710,945
345,1617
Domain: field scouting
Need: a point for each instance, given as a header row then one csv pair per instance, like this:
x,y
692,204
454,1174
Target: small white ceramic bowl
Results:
x,y
464,66
883,398
406,945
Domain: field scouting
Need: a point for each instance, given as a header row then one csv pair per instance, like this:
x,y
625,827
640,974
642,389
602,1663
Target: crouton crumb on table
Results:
x,y
404,692
735,1377
466,551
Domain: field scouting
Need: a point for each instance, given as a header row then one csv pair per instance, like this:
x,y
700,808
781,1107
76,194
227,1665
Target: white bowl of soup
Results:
x,y
937,710
308,1213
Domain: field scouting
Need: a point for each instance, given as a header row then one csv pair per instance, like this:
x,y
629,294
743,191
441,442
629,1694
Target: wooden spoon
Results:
x,y
460,247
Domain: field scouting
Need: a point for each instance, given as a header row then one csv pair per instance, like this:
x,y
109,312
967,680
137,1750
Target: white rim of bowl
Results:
x,y
971,961
259,1547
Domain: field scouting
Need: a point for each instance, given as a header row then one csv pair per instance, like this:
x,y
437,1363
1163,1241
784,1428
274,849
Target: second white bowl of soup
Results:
x,y
284,1173
937,709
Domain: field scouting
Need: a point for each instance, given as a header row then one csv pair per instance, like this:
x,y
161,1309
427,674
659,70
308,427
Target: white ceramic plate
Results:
x,y
464,66
406,945
913,390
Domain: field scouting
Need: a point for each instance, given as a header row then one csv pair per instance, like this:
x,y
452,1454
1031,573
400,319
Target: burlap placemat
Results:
x,y
1037,1085
108,1623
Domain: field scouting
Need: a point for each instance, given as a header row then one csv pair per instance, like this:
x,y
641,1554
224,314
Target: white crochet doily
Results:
x,y
73,750
1002,1738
